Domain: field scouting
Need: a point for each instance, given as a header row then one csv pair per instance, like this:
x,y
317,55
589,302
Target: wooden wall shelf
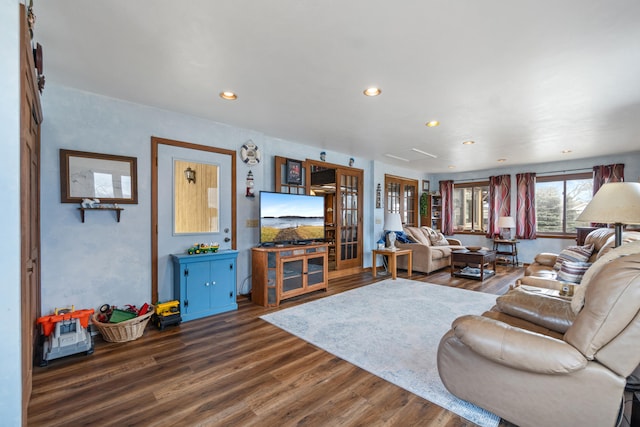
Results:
x,y
117,210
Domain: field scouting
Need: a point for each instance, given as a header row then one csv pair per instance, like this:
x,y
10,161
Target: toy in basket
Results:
x,y
125,330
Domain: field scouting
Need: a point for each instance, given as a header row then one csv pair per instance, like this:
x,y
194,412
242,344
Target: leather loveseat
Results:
x,y
431,250
532,369
602,239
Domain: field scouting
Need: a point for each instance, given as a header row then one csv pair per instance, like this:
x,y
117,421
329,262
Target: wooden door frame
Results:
x,y
403,182
342,169
30,242
155,143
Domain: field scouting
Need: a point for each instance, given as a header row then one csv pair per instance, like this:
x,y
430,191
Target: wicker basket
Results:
x,y
128,330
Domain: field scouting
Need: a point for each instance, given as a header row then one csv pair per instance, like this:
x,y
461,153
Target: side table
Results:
x,y
392,257
507,248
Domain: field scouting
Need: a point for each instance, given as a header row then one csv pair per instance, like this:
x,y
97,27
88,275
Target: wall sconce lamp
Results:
x,y
250,184
190,174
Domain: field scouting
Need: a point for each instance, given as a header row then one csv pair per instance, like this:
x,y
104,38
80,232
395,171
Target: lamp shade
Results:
x,y
506,222
392,222
614,203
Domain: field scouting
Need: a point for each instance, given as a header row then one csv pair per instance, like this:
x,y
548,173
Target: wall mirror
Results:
x,y
196,198
112,179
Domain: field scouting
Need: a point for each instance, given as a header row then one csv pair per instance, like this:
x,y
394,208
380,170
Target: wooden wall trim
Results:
x,y
155,143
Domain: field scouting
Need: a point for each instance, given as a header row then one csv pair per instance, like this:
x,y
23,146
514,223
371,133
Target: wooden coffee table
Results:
x,y
473,265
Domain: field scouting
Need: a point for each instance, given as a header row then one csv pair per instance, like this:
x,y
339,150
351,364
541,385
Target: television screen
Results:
x,y
291,218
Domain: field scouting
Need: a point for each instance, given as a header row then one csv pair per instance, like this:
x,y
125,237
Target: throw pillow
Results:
x,y
572,272
439,240
403,238
575,254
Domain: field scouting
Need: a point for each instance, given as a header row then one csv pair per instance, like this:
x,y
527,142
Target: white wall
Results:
x,y
10,367
103,261
527,249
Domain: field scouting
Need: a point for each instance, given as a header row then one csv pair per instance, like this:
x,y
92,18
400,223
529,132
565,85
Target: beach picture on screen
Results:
x,y
290,218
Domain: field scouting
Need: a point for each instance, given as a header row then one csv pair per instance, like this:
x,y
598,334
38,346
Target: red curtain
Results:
x,y
604,174
446,191
499,202
526,206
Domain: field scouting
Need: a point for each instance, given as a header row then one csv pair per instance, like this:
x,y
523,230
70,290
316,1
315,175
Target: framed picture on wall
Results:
x,y
425,185
294,172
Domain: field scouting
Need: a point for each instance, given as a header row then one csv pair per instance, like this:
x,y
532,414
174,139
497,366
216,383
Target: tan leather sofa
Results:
x,y
602,239
534,370
427,256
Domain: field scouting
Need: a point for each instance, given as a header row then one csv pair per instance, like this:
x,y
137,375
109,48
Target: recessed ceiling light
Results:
x,y
451,167
566,151
230,96
372,91
432,123
397,158
502,160
468,142
424,152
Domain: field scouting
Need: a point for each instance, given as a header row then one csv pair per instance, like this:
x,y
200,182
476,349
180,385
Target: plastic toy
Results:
x,y
65,333
203,248
166,314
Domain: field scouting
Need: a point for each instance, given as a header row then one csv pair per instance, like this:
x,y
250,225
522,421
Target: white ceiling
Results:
x,y
524,79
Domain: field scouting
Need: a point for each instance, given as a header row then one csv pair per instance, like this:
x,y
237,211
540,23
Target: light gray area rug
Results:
x,y
391,329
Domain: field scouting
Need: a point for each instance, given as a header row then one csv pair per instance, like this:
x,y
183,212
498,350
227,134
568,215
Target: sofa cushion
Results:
x,y
574,253
572,271
438,240
598,238
627,237
418,235
439,252
546,258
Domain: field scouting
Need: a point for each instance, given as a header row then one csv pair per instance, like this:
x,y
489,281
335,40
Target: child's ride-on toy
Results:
x,y
65,332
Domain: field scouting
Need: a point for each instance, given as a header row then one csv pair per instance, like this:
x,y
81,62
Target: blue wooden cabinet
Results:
x,y
205,284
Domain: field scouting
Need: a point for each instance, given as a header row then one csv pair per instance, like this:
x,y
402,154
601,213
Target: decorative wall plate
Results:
x,y
249,153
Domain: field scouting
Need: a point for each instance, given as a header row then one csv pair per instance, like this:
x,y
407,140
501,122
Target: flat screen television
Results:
x,y
290,218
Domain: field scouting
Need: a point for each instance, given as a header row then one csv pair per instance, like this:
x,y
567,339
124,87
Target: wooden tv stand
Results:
x,y
281,272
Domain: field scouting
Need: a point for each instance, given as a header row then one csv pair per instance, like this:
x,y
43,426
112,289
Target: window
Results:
x,y
471,207
402,197
559,201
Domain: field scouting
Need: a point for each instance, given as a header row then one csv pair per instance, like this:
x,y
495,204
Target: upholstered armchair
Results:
x,y
530,374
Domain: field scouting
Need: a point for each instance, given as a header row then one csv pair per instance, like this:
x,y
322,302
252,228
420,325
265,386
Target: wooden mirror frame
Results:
x,y
109,162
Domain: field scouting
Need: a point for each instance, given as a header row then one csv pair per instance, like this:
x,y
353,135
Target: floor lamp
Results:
x,y
615,203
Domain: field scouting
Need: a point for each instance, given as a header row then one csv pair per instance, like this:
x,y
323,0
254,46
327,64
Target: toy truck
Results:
x,y
167,314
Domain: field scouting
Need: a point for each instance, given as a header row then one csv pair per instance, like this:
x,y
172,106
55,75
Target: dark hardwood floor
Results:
x,y
234,369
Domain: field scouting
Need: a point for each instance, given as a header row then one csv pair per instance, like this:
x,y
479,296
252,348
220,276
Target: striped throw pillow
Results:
x,y
573,271
575,254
